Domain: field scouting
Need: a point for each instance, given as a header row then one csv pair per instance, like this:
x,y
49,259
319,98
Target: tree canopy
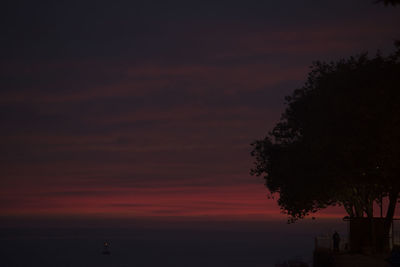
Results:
x,y
390,2
337,141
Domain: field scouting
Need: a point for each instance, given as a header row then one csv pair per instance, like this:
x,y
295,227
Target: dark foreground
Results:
x,y
330,259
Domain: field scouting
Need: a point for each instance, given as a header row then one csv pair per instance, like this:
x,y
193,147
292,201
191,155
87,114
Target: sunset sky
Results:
x,y
148,108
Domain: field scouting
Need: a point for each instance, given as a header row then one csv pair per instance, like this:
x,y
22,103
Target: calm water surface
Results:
x,y
189,244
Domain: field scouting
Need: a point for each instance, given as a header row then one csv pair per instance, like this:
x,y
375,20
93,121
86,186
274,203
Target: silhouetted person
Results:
x,y
336,241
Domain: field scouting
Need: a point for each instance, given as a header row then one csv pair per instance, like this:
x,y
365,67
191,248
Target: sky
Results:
x,y
148,108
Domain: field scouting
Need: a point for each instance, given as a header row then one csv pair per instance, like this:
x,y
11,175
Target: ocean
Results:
x,y
186,244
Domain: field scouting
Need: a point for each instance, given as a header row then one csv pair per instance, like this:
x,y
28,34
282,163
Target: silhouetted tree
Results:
x,y
337,142
390,2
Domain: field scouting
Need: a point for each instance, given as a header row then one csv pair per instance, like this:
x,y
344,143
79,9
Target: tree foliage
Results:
x,y
337,141
390,2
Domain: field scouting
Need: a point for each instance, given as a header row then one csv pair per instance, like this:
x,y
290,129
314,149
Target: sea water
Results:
x,y
182,244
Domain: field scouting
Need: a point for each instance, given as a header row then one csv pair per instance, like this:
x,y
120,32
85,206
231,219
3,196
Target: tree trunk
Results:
x,y
349,210
393,195
369,209
392,205
358,209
